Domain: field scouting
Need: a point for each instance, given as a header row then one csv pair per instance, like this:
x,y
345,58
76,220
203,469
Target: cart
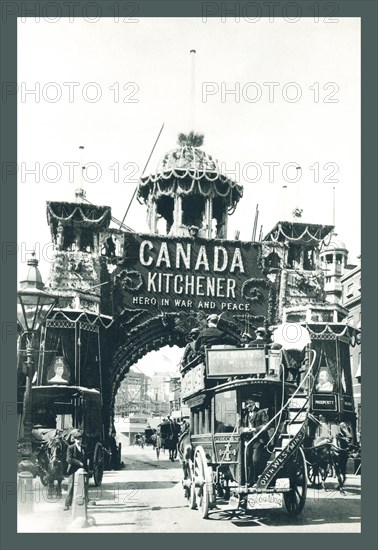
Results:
x,y
225,462
58,410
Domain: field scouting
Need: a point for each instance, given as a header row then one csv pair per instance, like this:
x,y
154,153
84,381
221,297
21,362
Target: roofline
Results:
x,y
350,273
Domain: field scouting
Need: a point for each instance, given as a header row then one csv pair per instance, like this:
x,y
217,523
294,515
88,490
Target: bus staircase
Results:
x,y
288,440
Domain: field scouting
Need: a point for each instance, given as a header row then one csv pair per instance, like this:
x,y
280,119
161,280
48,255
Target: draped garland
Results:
x,y
68,215
317,236
194,165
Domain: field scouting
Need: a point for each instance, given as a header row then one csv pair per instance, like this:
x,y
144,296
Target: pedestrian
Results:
x,y
157,444
76,459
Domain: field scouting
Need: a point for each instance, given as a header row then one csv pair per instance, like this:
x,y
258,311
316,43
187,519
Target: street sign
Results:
x,y
264,501
235,362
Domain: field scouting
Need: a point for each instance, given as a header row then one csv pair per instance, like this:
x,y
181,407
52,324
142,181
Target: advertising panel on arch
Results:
x,y
175,274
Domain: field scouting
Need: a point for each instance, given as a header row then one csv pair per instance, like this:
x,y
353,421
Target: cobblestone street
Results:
x,y
147,497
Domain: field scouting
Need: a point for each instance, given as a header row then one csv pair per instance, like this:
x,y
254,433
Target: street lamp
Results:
x,y
33,306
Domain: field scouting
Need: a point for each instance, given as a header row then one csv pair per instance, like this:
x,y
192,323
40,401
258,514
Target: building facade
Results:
x,y
351,300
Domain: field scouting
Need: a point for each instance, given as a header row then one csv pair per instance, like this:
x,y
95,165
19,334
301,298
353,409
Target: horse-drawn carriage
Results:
x,y
169,433
58,411
139,440
330,439
148,433
249,419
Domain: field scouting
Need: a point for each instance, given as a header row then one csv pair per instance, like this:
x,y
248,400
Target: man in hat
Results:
x,y
212,335
254,421
261,336
75,460
189,352
245,339
193,231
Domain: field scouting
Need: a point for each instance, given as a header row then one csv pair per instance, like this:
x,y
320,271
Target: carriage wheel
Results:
x,y
98,464
317,474
203,483
296,498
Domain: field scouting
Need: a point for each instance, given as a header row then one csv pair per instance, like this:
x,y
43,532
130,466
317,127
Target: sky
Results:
x,y
110,86
165,360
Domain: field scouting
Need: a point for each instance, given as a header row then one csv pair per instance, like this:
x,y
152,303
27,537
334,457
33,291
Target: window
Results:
x,y
309,260
328,279
193,210
327,316
295,318
294,257
350,290
225,411
164,211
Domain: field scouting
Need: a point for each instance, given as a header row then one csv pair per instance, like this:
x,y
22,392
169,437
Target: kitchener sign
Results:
x,y
175,273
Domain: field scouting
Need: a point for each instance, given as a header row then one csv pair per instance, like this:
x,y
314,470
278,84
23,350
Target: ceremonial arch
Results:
x,y
124,294
165,286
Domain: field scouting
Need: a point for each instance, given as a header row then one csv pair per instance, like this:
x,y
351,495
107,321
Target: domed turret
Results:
x,y
334,258
188,194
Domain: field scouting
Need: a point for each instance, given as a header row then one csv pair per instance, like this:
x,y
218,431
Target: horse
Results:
x,y
170,434
56,453
330,454
341,445
170,443
319,461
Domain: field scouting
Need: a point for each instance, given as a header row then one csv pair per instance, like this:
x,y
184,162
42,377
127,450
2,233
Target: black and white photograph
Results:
x,y
189,272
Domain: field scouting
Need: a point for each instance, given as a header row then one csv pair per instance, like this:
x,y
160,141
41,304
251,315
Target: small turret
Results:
x,y
77,272
334,259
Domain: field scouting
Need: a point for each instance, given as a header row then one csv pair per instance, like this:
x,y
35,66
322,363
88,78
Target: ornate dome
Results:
x,y
331,243
189,170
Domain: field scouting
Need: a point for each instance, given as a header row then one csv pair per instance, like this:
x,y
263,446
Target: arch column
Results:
x,y
152,216
177,214
209,216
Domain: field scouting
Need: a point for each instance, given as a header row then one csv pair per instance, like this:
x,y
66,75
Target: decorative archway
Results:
x,y
151,335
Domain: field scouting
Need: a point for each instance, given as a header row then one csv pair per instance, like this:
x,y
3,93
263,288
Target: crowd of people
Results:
x,y
164,437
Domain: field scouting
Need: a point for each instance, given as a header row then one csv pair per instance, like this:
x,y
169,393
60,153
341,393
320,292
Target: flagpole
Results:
x,y
192,91
144,169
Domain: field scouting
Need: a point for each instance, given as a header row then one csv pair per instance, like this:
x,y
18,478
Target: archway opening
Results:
x,y
148,394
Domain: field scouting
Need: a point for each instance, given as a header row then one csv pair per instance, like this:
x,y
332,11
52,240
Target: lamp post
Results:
x,y
33,306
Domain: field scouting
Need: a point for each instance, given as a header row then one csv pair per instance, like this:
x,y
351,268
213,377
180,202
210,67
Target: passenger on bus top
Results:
x,y
189,352
245,340
261,336
212,335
